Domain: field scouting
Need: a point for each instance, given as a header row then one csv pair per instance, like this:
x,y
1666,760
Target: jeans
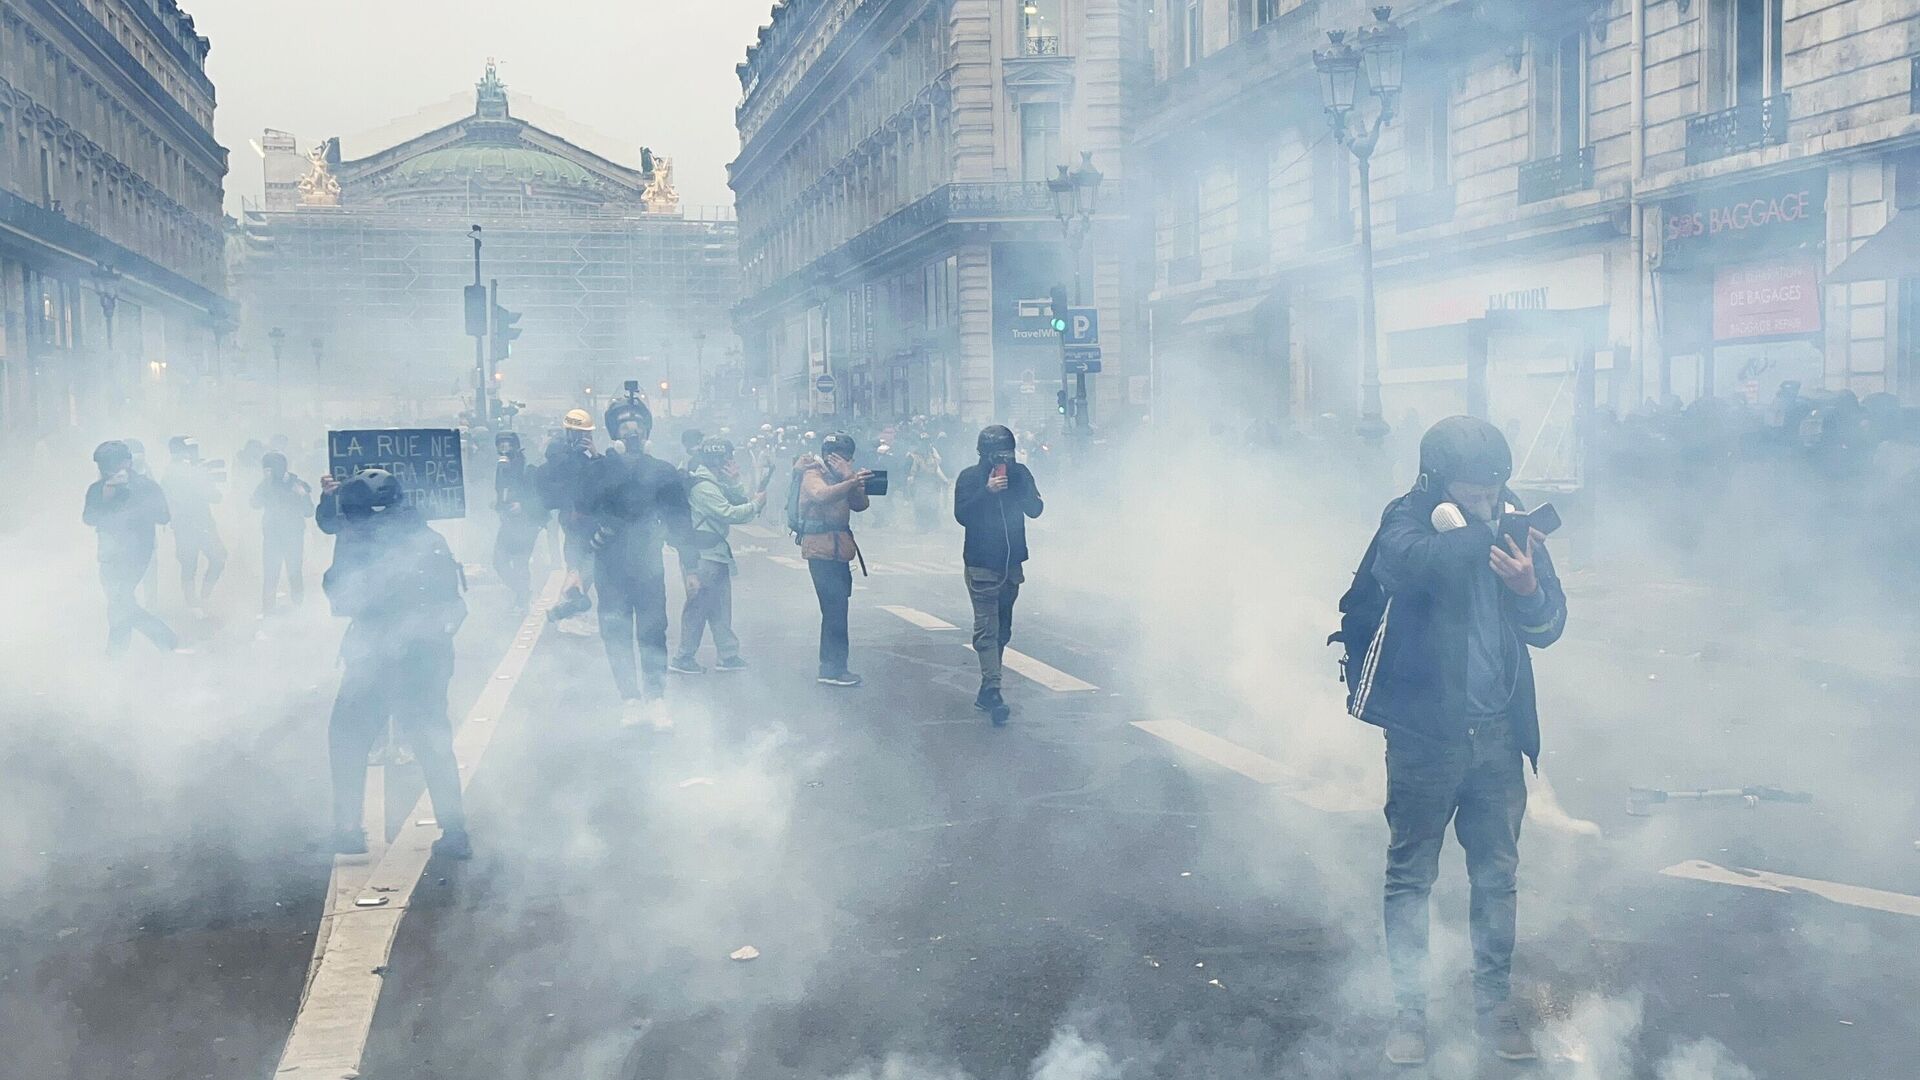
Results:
x,y
993,594
833,584
633,610
282,553
1481,787
405,682
124,613
711,606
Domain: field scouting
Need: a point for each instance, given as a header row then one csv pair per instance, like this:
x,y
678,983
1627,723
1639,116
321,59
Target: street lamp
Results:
x,y
1381,52
667,389
1076,194
277,337
106,283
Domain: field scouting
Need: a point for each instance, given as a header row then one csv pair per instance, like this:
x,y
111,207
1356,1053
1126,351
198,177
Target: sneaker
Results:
x,y
633,712
349,841
845,678
731,663
1407,1039
989,699
658,716
1503,1033
453,845
688,666
1001,714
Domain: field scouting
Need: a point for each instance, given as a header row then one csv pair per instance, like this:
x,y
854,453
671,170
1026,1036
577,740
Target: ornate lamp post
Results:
x,y
1076,195
1380,49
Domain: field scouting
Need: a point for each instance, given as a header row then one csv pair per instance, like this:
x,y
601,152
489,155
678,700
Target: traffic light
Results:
x,y
1057,300
504,332
476,307
1060,401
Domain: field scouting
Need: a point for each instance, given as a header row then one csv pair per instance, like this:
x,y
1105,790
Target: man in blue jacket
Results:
x,y
993,500
1449,677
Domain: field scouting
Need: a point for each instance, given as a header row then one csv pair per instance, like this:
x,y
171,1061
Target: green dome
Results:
x,y
517,163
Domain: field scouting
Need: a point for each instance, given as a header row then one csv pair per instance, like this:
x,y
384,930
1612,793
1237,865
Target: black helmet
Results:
x,y
369,490
507,442
837,443
112,456
274,461
996,439
1464,448
629,409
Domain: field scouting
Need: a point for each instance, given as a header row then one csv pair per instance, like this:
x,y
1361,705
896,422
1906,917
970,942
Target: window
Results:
x,y
1559,96
1744,51
1429,133
1039,139
1040,27
1193,45
1251,15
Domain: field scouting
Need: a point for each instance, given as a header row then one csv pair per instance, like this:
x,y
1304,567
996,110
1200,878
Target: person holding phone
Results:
x,y
125,507
831,491
992,500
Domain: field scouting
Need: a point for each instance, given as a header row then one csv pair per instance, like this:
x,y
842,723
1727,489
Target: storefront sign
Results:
x,y
1554,285
1741,220
1769,299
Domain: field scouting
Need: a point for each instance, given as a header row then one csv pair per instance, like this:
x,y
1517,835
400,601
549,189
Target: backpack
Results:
x,y
1363,618
794,525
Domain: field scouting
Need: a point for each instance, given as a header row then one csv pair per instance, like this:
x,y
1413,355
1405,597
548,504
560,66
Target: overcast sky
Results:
x,y
651,72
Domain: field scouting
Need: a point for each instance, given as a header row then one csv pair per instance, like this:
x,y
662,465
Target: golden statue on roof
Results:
x,y
659,195
319,187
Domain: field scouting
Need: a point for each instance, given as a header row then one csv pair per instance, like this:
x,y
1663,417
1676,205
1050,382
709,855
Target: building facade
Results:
x,y
360,264
897,231
112,268
1578,203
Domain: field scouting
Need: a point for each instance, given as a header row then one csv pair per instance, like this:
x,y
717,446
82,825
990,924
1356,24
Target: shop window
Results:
x,y
1743,51
1040,27
1559,95
1039,139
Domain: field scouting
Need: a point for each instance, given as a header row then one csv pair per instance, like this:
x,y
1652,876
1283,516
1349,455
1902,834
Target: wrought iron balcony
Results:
x,y
1042,45
1423,208
1715,135
1561,174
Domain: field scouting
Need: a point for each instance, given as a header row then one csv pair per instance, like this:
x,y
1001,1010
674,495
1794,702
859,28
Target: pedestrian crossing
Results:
x,y
883,569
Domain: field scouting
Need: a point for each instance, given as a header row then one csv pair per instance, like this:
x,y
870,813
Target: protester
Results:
x,y
1448,675
521,513
830,492
396,581
562,482
719,499
285,503
191,492
992,500
124,508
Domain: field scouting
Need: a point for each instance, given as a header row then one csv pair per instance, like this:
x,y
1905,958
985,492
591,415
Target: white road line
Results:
x,y
1767,881
336,1014
761,531
1045,674
918,618
1257,767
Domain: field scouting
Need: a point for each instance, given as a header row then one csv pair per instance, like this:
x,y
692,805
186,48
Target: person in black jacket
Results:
x,y
395,578
1448,675
124,507
993,501
562,481
522,513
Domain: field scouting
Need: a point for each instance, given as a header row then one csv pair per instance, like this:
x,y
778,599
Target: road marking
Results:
x,y
918,618
761,531
1045,674
1257,767
336,1014
1767,881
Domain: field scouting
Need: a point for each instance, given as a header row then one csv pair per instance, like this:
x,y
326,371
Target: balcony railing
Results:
x,y
1042,45
1561,174
1420,209
1715,135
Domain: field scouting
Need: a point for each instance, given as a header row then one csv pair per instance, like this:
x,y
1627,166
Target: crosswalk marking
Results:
x,y
1045,674
918,618
1768,881
1257,767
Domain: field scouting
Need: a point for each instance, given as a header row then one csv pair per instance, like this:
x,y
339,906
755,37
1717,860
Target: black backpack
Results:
x,y
1363,612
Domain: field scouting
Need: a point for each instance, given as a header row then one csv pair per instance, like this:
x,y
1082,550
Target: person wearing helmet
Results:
x,y
191,493
719,499
1447,674
124,508
562,481
992,500
638,504
828,491
521,513
284,501
395,580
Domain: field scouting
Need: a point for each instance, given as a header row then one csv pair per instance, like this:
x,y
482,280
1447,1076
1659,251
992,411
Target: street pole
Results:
x,y
486,372
1373,425
1078,240
480,414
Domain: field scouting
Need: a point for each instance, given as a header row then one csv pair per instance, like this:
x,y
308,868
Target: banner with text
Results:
x,y
427,462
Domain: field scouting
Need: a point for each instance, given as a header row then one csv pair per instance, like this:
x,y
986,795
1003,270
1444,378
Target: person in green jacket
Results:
x,y
719,498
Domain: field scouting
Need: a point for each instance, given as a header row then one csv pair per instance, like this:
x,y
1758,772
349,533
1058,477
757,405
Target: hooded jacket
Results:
x,y
827,519
1415,672
718,505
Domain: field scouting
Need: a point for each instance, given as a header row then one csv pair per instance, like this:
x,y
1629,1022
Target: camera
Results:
x,y
633,387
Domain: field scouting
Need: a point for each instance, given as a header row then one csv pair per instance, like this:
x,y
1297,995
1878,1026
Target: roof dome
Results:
x,y
519,164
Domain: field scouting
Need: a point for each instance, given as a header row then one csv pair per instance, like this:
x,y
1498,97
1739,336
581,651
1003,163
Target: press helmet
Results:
x,y
1464,448
839,443
577,420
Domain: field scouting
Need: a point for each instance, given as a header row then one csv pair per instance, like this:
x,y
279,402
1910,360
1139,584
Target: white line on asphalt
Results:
x,y
1045,674
1257,767
761,531
1768,881
918,618
336,1014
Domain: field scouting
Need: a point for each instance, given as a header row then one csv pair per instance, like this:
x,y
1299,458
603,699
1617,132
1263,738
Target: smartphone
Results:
x,y
1543,517
999,472
877,483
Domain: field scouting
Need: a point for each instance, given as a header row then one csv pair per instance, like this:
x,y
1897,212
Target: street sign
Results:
x,y
1083,326
1081,363
824,384
426,461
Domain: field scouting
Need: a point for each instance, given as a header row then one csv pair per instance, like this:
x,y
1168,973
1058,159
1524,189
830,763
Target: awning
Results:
x,y
1230,309
1893,252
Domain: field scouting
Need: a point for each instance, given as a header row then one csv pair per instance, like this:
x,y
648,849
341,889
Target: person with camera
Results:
x,y
124,508
829,491
719,499
1455,591
192,487
522,514
285,501
562,481
638,504
992,500
395,580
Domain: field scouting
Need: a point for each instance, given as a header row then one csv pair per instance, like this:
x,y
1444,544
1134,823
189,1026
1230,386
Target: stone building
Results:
x,y
897,232
1594,203
360,261
111,234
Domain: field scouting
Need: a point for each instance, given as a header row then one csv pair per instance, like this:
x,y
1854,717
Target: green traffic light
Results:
x,y
1059,326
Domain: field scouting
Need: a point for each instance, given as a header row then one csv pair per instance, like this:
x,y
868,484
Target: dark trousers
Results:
x,y
405,682
190,551
833,584
633,610
124,613
282,553
992,595
513,558
1481,787
711,606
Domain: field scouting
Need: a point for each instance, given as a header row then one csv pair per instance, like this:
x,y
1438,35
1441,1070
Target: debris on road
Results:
x,y
1641,800
744,952
697,781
